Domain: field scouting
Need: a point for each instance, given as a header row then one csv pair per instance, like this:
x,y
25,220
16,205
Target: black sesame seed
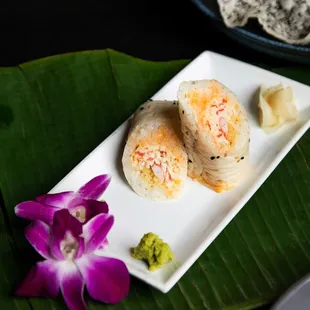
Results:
x,y
218,157
242,157
141,108
174,102
183,112
212,157
189,161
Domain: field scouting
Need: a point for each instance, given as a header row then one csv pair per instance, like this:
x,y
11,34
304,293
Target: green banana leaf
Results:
x,y
56,110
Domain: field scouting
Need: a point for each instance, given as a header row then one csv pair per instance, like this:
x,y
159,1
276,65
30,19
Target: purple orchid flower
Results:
x,y
83,204
68,247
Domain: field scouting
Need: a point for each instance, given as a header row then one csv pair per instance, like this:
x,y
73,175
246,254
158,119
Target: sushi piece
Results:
x,y
154,159
216,134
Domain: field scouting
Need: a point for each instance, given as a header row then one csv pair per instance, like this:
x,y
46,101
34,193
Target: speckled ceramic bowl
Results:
x,y
253,36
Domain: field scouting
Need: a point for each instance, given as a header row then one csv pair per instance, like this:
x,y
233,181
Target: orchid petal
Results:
x,y
38,235
64,224
104,244
81,248
72,286
107,279
95,187
59,200
96,230
32,210
41,281
96,207
78,207
85,209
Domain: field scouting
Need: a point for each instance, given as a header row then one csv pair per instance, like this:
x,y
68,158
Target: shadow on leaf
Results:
x,y
6,116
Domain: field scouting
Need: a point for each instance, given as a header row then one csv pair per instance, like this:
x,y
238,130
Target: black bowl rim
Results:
x,y
301,49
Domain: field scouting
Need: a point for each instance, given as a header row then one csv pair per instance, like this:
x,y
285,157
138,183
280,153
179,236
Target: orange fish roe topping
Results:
x,y
216,113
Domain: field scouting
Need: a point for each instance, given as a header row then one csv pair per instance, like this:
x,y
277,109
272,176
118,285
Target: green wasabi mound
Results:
x,y
153,250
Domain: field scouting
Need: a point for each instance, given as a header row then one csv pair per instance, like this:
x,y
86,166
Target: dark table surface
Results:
x,y
155,30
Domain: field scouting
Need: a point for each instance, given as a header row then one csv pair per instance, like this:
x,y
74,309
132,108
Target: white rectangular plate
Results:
x,y
191,223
